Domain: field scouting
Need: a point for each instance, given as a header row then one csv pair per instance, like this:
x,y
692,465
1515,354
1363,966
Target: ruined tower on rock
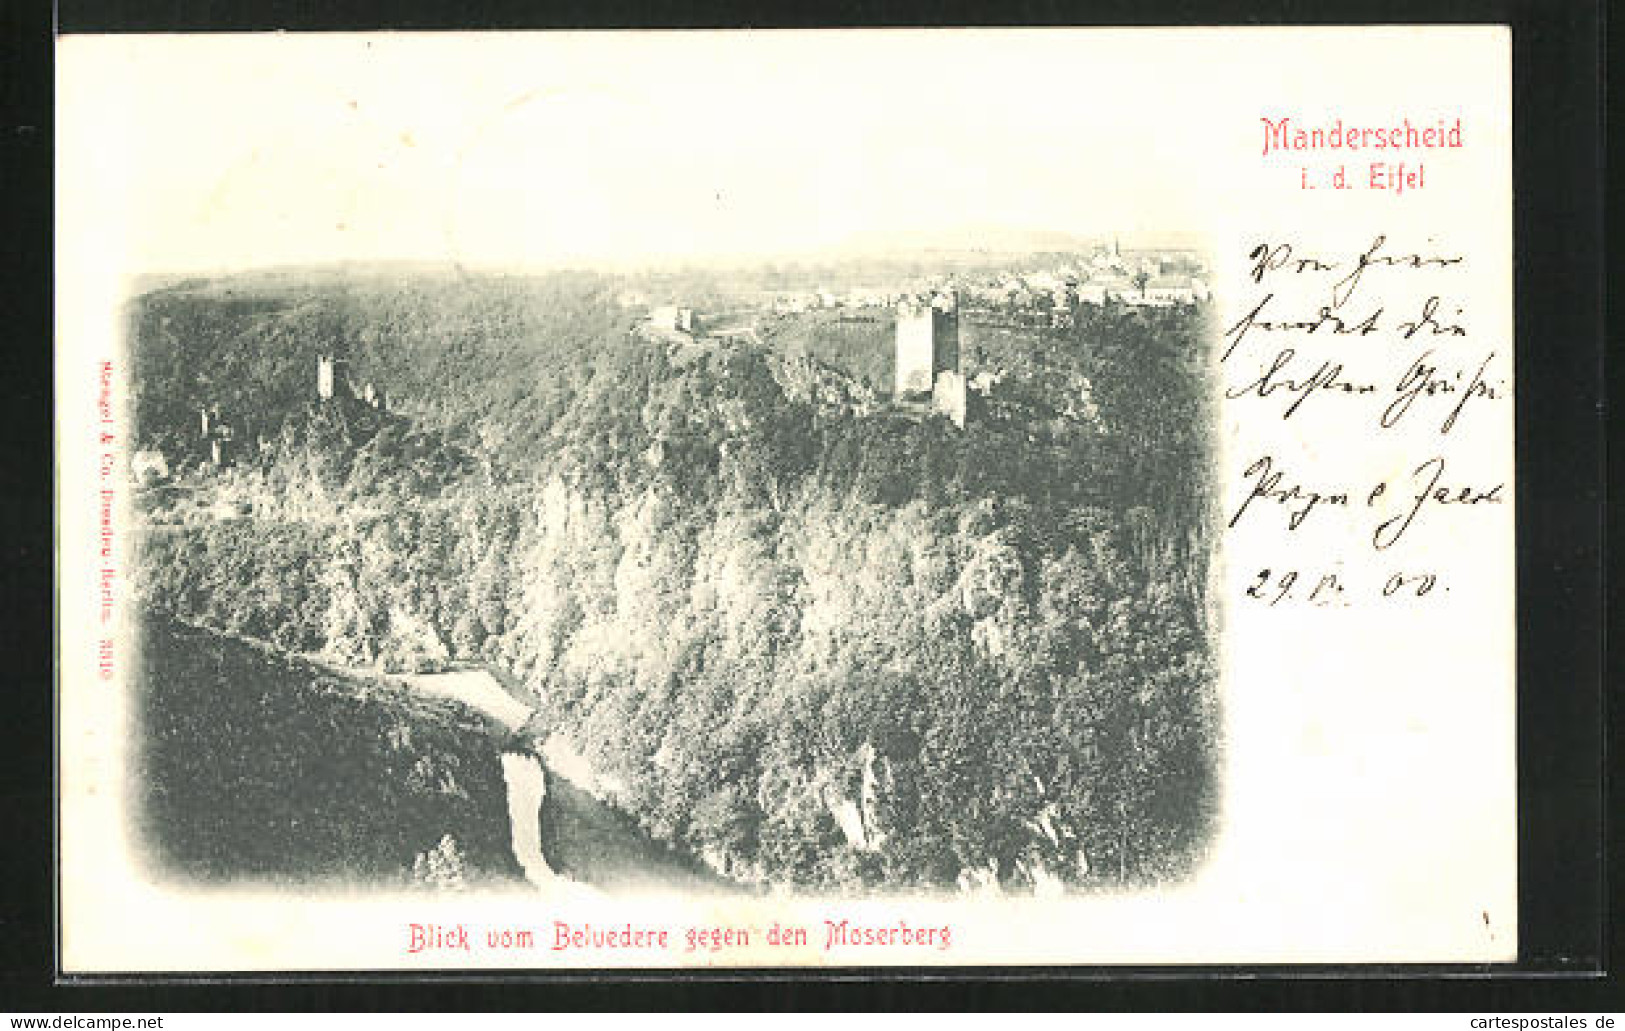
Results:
x,y
927,361
332,376
334,380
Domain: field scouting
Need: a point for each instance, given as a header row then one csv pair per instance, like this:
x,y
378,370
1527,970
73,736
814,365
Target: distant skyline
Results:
x,y
876,249
536,150
540,150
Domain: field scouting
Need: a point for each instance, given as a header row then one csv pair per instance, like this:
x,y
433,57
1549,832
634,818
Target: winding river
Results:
x,y
564,837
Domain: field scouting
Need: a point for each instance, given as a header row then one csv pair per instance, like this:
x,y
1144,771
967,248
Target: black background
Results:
x,y
1563,465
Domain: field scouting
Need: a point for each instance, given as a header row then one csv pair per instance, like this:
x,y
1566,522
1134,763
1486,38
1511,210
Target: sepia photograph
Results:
x,y
849,573
883,494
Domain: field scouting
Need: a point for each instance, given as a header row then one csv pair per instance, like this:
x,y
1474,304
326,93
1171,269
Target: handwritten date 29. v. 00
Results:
x,y
1328,590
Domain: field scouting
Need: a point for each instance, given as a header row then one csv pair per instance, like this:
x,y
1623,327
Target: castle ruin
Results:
x,y
333,378
330,373
927,361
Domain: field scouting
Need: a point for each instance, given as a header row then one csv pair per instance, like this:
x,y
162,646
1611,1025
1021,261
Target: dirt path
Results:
x,y
476,689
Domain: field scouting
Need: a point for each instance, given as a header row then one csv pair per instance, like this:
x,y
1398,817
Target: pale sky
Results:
x,y
210,152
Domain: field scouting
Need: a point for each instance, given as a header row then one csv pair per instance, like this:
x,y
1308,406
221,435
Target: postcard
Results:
x,y
875,499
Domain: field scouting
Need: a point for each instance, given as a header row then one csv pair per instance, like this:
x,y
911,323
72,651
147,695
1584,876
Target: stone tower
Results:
x,y
331,374
928,359
948,396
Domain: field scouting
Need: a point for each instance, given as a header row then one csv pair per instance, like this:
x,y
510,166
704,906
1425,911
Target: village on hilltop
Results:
x,y
928,314
930,317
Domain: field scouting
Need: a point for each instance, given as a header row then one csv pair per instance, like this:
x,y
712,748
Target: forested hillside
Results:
x,y
260,768
811,639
